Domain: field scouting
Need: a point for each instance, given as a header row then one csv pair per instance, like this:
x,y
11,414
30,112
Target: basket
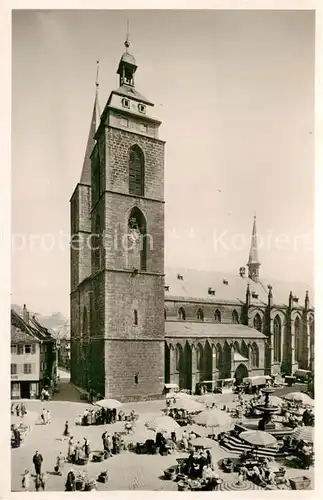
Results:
x,y
300,483
181,486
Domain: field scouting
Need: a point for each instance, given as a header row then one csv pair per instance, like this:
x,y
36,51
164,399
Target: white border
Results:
x,y
5,210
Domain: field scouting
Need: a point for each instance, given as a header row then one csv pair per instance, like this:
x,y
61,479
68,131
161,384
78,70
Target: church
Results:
x,y
136,325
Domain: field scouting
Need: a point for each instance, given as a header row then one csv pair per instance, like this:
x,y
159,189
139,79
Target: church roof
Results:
x,y
131,92
230,288
86,170
181,329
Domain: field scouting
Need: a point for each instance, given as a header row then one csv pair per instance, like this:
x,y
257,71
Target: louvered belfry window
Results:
x,y
136,171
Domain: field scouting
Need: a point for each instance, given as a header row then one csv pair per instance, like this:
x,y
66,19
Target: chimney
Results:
x,y
211,291
307,300
25,314
242,272
179,277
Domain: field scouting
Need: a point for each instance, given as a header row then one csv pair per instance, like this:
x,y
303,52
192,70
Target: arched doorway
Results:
x,y
240,373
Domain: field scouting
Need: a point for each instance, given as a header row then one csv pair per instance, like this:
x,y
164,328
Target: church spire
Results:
x,y
253,261
86,170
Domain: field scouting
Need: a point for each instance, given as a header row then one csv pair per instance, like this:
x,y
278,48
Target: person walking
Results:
x,y
43,416
70,449
25,482
49,416
66,432
37,461
59,463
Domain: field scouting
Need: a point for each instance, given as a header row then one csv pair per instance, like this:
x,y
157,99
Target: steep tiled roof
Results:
x,y
195,285
131,92
201,329
20,331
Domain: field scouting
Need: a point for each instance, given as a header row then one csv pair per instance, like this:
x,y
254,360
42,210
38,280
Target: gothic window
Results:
x,y
85,329
236,347
181,314
218,356
137,240
96,243
95,176
199,357
136,171
200,315
255,355
179,357
135,317
277,339
235,316
257,323
298,347
217,316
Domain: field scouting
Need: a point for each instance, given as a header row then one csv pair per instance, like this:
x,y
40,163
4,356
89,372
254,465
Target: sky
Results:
x,y
235,93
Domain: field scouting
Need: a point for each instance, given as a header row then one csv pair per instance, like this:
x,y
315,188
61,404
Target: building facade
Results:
x,y
133,327
33,357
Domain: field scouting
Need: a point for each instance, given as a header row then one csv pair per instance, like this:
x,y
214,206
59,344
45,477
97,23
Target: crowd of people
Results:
x,y
104,416
19,410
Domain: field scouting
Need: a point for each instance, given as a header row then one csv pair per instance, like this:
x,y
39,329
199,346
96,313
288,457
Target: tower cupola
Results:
x,y
127,67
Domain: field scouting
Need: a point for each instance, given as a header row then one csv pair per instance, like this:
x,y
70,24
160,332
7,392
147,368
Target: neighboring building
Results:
x,y
131,328
64,353
33,357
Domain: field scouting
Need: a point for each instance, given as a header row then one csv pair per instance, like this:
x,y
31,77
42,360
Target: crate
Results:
x,y
300,483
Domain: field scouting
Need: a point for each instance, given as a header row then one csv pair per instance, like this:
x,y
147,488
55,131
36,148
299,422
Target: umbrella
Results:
x,y
162,423
207,398
305,433
203,442
274,400
258,438
108,403
300,397
140,434
213,418
197,429
187,404
237,486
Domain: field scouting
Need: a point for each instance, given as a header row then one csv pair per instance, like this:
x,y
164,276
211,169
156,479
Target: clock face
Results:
x,y
134,230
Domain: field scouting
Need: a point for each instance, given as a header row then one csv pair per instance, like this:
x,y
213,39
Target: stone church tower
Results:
x,y
117,289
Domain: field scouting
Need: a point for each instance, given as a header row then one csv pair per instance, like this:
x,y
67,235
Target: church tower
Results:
x,y
253,261
80,258
127,262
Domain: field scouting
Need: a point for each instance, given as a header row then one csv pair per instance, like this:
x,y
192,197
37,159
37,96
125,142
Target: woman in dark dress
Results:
x,y
66,429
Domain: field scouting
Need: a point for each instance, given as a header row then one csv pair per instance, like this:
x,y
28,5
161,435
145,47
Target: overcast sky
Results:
x,y
235,92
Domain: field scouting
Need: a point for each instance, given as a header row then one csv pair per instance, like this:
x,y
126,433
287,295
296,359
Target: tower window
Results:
x,y
135,317
142,108
200,315
136,171
126,103
136,378
137,240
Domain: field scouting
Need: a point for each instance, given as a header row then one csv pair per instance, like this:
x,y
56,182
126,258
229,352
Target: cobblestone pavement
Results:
x,y
126,471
